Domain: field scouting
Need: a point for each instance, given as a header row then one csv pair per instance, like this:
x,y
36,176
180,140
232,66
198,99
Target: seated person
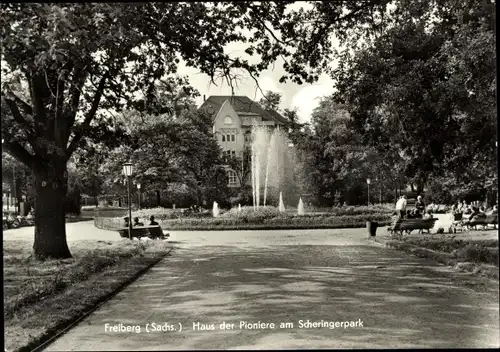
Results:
x,y
137,223
420,205
493,211
126,220
411,214
475,214
478,215
152,221
418,213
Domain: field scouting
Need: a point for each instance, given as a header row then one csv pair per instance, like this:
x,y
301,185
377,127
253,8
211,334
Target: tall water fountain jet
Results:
x,y
252,171
300,207
215,210
270,163
239,208
281,207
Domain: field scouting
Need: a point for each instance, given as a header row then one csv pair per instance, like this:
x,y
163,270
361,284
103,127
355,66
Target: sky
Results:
x,y
304,97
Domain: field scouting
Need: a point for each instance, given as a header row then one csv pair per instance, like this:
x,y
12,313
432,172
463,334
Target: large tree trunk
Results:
x,y
50,225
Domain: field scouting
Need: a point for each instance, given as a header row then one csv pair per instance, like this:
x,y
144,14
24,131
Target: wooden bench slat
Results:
x,y
413,224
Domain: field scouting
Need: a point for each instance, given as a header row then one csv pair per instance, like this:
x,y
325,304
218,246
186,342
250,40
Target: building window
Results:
x,y
248,136
228,120
232,178
229,138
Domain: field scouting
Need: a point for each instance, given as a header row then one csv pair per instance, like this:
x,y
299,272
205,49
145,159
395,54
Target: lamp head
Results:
x,y
128,169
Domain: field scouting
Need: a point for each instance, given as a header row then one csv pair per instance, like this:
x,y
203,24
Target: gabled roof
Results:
x,y
241,104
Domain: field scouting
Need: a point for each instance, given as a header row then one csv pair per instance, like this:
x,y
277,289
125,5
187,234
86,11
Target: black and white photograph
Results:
x,y
249,175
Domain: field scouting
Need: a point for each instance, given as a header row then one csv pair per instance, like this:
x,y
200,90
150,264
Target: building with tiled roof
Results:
x,y
233,118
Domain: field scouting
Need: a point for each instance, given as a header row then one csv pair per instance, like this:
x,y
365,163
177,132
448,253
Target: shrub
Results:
x,y
485,251
480,254
251,213
266,221
165,214
159,213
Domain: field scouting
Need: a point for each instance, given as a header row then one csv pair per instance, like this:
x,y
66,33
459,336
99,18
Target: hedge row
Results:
x,y
245,223
450,251
450,245
259,213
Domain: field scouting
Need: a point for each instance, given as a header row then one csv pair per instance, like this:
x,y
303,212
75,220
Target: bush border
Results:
x,y
44,340
249,226
485,269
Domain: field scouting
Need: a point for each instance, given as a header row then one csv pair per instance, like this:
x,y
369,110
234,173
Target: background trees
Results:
x,y
423,84
414,101
416,77
66,63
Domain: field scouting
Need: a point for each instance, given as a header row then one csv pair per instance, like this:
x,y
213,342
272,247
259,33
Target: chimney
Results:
x,y
204,98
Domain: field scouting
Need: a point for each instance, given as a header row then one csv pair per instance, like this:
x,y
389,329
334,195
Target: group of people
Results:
x,y
152,222
474,208
419,212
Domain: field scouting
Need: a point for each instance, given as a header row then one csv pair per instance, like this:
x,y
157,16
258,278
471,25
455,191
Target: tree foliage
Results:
x,y
271,101
166,150
416,76
66,65
424,84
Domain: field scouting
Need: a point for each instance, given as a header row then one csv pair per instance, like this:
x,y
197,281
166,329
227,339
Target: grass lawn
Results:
x,y
41,298
477,252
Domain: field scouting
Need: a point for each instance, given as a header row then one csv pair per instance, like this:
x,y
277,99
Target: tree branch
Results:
x,y
25,106
19,152
18,117
76,90
88,119
263,24
70,109
36,91
59,117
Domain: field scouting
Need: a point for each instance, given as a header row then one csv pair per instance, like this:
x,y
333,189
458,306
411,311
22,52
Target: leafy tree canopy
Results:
x,y
424,83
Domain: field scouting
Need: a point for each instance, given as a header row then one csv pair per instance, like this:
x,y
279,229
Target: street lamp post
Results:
x,y
378,181
139,190
127,171
368,183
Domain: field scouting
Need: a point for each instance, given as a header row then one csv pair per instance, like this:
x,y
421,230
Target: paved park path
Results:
x,y
290,276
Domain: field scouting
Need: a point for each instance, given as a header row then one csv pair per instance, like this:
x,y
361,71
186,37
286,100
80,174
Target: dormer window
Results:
x,y
228,120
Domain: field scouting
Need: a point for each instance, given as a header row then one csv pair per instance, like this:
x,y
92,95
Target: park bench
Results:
x,y
153,232
483,220
408,225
